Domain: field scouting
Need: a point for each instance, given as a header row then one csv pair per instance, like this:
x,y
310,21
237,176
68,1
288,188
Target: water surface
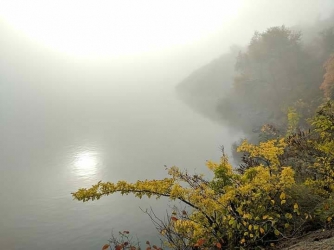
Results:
x,y
67,124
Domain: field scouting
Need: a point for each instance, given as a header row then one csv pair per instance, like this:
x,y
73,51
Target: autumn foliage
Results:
x,y
256,207
328,83
125,242
284,184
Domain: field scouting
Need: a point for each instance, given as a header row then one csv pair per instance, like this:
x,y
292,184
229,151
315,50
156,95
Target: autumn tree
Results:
x,y
326,42
328,83
308,151
275,72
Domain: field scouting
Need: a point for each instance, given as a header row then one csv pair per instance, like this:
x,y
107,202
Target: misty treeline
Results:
x,y
281,68
283,187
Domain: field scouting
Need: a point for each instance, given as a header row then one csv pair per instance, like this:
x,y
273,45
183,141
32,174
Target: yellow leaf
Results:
x,y
288,216
276,232
283,202
282,196
261,230
295,206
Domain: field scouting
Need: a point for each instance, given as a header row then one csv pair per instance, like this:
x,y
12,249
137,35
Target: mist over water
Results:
x,y
68,122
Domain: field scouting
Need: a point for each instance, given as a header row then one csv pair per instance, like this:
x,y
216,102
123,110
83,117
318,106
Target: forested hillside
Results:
x,y
280,69
203,95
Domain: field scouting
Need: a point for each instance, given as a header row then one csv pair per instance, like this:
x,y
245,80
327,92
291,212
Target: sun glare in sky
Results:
x,y
123,27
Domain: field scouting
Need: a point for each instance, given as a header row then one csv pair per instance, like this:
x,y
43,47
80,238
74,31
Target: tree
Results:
x,y
328,83
274,73
326,43
309,152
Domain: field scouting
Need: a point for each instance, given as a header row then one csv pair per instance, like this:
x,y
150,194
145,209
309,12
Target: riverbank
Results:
x,y
317,240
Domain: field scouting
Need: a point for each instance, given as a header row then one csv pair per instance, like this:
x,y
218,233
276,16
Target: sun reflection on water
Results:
x,y
85,164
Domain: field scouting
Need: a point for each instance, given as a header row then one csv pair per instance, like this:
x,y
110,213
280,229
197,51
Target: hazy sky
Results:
x,y
107,28
117,27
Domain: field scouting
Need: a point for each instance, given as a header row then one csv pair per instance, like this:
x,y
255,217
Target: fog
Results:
x,y
87,93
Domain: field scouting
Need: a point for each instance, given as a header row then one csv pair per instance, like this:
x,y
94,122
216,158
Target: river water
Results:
x,y
67,124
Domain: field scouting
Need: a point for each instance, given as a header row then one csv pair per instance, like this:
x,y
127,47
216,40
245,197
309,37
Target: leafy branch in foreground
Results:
x,y
258,206
231,209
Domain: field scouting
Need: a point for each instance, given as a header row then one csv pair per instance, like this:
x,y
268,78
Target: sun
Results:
x,y
116,28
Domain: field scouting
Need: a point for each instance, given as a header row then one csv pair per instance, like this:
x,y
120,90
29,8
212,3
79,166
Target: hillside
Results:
x,y
279,69
203,89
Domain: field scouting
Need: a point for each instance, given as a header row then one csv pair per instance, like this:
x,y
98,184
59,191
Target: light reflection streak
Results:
x,y
85,164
